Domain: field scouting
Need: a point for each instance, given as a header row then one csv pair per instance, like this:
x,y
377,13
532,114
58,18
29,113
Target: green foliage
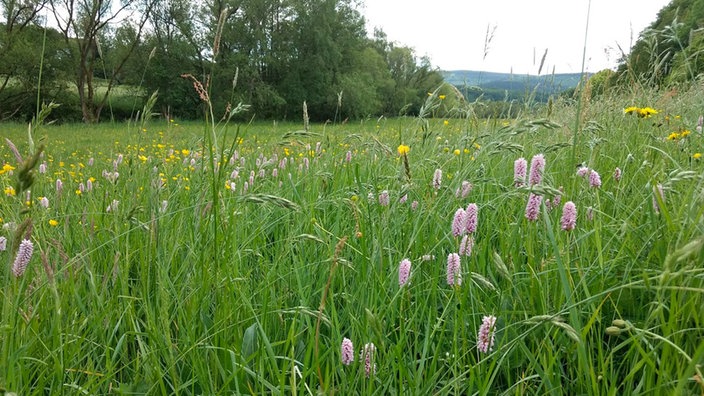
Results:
x,y
669,51
279,54
20,59
172,277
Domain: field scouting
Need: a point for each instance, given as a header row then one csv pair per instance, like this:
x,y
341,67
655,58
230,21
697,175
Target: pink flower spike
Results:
x,y
533,207
582,171
384,198
404,272
485,338
537,166
472,212
464,190
466,245
347,352
520,168
437,179
658,192
459,223
367,356
617,174
594,179
454,270
24,254
569,216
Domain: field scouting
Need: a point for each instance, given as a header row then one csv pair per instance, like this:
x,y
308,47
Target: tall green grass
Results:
x,y
192,285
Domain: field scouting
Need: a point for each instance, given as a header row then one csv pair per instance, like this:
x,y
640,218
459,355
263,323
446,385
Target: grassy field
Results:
x,y
265,259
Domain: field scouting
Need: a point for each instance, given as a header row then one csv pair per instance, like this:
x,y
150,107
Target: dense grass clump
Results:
x,y
389,256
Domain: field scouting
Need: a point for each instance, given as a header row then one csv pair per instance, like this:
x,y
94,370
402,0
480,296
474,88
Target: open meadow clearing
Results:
x,y
385,256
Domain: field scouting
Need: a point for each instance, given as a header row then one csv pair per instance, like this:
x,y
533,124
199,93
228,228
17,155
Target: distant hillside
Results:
x,y
501,86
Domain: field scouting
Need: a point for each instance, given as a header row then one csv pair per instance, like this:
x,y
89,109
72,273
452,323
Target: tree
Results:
x,y
82,23
670,44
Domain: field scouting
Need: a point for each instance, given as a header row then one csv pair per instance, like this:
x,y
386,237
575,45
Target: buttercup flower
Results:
x,y
403,149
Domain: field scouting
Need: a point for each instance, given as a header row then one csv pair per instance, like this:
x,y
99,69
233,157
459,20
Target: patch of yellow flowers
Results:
x,y
641,112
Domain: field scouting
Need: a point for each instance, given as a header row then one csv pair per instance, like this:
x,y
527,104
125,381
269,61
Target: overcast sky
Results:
x,y
452,32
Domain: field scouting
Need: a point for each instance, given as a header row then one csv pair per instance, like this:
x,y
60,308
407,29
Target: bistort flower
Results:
x,y
367,356
347,352
485,338
24,254
454,270
533,207
569,216
520,169
594,179
537,166
404,272
472,212
437,179
459,223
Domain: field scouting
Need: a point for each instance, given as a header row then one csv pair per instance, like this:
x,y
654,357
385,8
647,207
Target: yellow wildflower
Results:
x,y
6,168
685,133
673,136
9,191
456,152
697,156
646,112
442,97
53,223
631,109
185,152
446,122
403,149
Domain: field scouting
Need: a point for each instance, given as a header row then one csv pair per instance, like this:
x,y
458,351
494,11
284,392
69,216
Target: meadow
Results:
x,y
556,253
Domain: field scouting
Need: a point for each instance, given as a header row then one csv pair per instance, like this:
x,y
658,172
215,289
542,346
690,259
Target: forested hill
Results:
x,y
499,86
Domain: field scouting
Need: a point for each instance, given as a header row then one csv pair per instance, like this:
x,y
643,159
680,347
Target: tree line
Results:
x,y
101,60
